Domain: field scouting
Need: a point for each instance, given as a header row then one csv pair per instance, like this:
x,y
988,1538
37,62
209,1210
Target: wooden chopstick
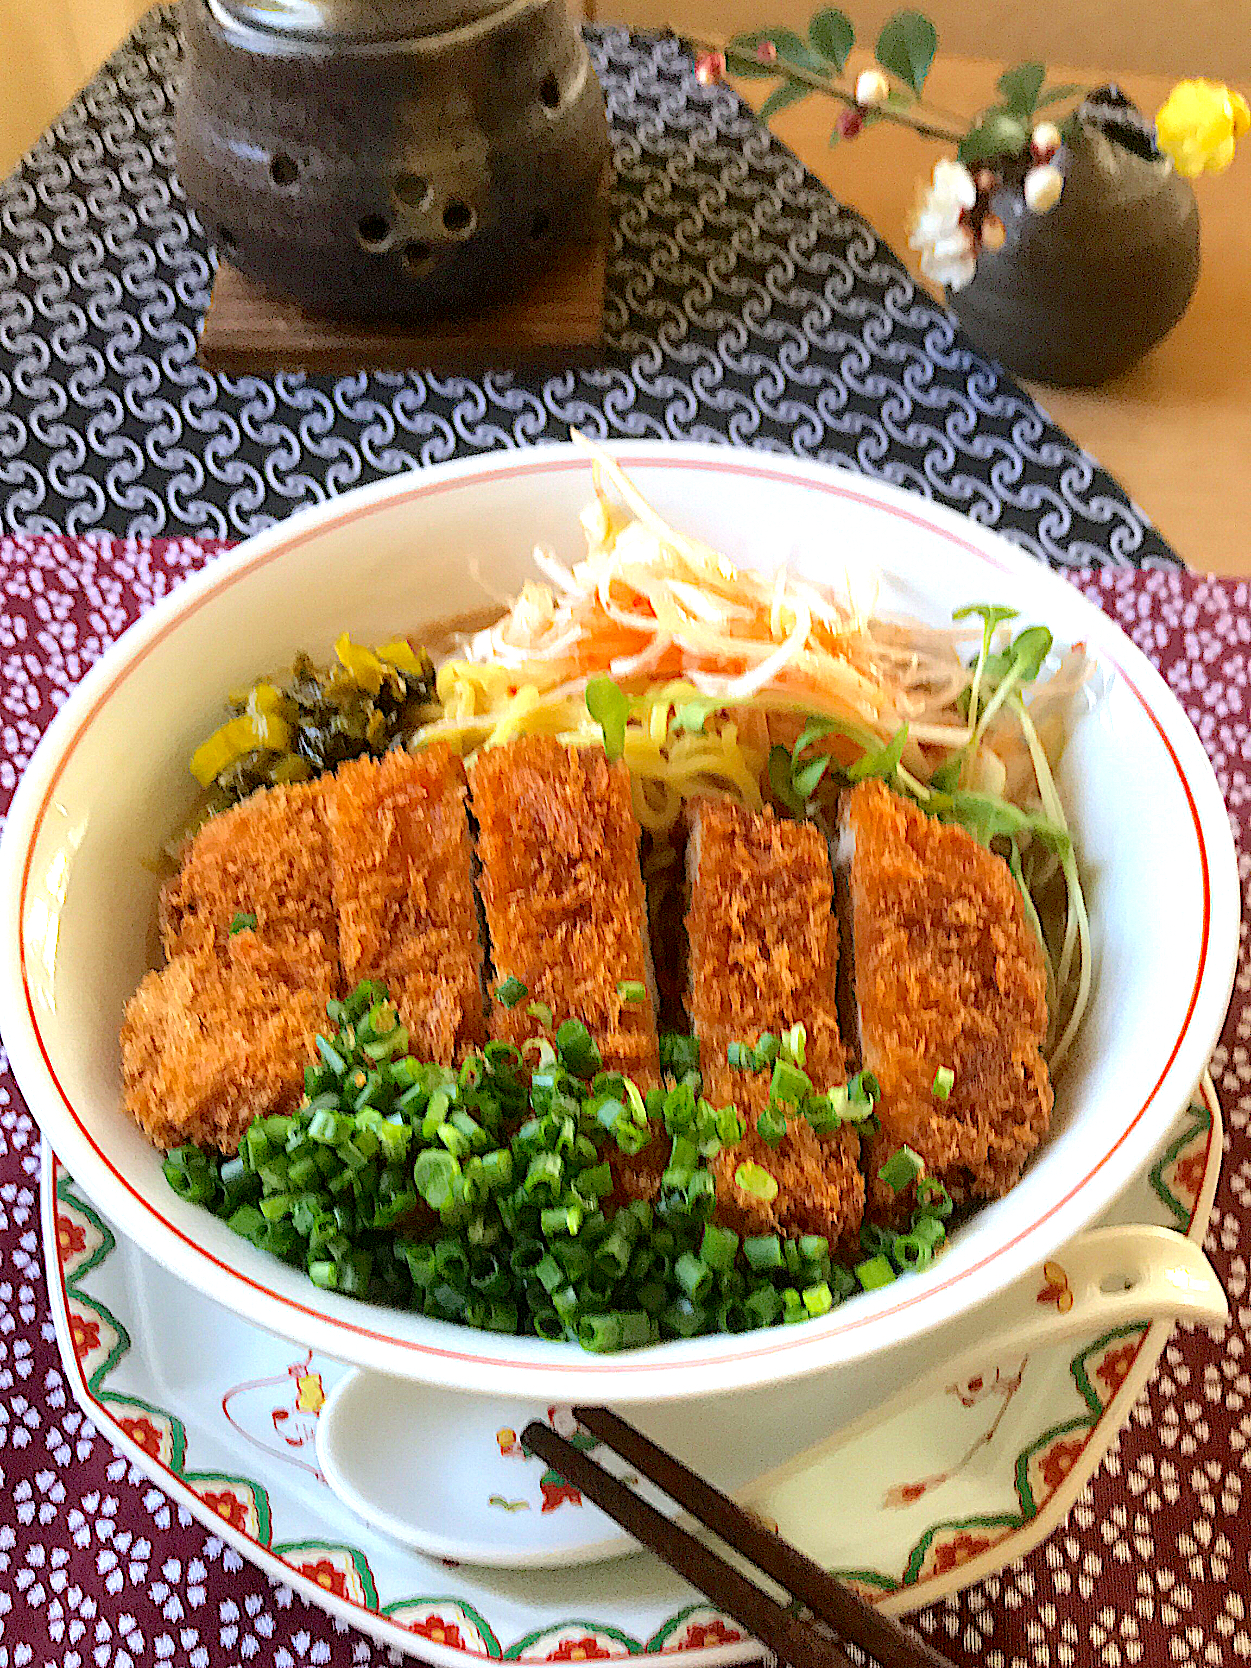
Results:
x,y
796,1642
843,1610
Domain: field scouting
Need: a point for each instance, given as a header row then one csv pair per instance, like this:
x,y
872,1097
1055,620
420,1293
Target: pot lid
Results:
x,y
353,20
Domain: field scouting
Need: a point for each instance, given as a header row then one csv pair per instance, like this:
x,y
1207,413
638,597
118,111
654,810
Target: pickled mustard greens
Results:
x,y
313,718
489,1195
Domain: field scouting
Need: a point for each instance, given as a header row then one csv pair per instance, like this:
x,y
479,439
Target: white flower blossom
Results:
x,y
872,88
1042,188
946,245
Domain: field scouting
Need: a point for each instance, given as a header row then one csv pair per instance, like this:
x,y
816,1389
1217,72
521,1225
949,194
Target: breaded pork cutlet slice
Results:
x,y
948,974
401,863
269,858
558,845
763,957
212,1041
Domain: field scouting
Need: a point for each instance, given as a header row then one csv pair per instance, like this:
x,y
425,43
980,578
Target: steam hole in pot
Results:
x,y
417,253
284,170
549,91
411,190
373,230
458,218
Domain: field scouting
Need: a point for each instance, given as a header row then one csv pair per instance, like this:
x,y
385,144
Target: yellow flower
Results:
x,y
1197,125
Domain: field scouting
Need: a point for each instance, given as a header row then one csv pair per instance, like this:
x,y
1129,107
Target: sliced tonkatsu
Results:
x,y
950,993
764,956
401,866
566,913
265,863
212,1041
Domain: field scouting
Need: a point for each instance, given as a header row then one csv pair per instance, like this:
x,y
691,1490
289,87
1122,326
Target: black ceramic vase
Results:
x,y
1079,295
390,158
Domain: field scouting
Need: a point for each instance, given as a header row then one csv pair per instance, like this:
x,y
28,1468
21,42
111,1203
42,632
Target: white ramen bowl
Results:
x,y
110,780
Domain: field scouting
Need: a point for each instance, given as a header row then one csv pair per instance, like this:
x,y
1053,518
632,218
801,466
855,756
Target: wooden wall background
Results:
x,y
48,48
1166,37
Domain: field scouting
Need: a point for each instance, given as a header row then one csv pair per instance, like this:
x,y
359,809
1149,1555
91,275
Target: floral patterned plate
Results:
x,y
223,1417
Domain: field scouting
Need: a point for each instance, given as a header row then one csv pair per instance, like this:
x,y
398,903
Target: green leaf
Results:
x,y
986,816
609,707
806,778
1053,95
906,47
1021,86
1024,657
990,613
947,776
741,59
791,49
882,761
998,133
832,34
816,728
780,780
786,92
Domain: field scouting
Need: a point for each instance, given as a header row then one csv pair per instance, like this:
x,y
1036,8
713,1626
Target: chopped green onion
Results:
x,y
875,1272
763,1252
789,1084
541,1012
576,1049
928,1228
933,1197
244,921
818,1299
510,991
792,1044
740,1057
911,1251
756,1180
901,1168
679,1055
718,1247
944,1080
767,1049
771,1125
729,1126
631,990
694,1276
623,1330
331,1055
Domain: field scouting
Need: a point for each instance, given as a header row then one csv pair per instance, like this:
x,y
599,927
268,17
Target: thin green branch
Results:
x,y
822,84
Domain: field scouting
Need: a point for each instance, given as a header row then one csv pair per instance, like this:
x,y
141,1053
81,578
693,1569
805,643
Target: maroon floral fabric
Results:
x,y
99,1570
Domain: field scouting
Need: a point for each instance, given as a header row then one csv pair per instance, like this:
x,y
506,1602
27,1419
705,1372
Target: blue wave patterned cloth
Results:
x,y
744,306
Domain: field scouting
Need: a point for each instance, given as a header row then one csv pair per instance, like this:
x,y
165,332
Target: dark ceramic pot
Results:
x,y
394,159
1078,295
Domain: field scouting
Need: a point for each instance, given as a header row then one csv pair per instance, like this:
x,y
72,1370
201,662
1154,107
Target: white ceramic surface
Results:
x,y
959,1474
77,902
374,1433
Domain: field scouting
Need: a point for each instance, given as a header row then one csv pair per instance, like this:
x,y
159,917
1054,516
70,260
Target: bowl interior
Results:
x,y
111,781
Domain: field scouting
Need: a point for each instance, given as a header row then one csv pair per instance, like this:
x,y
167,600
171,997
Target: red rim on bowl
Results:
x,y
329,1324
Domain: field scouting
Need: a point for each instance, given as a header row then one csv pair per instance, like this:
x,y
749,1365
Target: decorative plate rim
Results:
x,y
177,1477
